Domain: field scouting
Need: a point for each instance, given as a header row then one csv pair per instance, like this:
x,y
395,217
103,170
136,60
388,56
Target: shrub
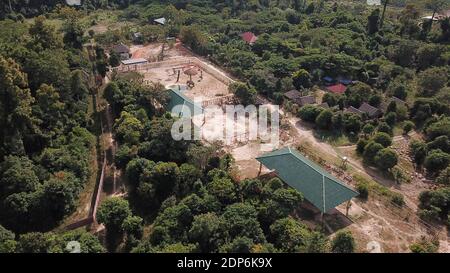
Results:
x,y
363,190
371,150
444,176
419,151
391,118
368,129
408,127
309,113
383,138
386,159
385,128
436,161
425,246
343,242
399,176
362,142
398,199
323,120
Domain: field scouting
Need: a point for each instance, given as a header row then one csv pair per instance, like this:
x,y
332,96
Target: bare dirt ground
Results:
x,y
152,50
207,86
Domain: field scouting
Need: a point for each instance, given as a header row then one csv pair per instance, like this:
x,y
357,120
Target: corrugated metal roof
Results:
x,y
178,98
369,109
161,20
338,88
293,95
352,109
307,100
73,2
134,61
318,186
121,48
249,37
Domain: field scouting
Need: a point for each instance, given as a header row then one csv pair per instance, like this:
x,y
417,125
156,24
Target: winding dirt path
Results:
x,y
308,135
380,223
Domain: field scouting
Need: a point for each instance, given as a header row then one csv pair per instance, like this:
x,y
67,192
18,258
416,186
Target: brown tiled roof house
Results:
x,y
371,111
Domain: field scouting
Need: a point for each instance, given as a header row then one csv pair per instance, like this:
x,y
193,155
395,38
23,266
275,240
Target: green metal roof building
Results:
x,y
318,186
178,98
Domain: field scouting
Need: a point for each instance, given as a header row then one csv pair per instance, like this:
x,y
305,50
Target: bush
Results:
x,y
368,129
436,161
371,150
360,145
444,176
425,246
435,204
386,159
383,138
429,215
309,113
419,151
363,190
399,176
343,242
442,143
245,94
391,118
385,128
398,199
408,127
352,122
323,120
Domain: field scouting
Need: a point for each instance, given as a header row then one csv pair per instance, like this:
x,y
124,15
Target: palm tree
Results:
x,y
384,11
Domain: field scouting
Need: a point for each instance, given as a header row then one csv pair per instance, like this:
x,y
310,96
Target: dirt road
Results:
x,y
307,134
376,222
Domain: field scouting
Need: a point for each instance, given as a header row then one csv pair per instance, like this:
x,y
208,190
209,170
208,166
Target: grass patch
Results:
x,y
372,186
398,129
334,138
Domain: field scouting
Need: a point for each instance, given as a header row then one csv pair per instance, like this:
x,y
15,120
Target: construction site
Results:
x,y
202,82
179,69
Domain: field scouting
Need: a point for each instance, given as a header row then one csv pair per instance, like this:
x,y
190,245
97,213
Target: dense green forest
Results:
x,y
182,196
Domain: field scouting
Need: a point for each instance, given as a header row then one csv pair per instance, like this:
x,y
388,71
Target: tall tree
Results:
x,y
112,213
15,107
44,35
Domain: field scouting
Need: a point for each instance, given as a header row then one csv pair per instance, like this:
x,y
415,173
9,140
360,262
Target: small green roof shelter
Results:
x,y
318,186
177,98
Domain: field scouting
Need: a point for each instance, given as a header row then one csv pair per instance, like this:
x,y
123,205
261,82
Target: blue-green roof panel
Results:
x,y
318,186
178,98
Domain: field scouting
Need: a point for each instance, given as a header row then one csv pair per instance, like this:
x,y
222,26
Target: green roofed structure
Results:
x,y
318,186
177,98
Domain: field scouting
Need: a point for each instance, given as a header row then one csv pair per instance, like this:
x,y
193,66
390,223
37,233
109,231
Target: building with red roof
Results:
x,y
249,37
337,88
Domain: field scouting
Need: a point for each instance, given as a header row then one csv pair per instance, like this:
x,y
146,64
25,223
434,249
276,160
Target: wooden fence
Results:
x,y
177,61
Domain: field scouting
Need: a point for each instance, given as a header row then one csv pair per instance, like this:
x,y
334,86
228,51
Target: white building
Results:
x,y
374,2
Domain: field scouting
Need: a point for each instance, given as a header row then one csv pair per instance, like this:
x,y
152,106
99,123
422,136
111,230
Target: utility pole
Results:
x,y
10,6
384,11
